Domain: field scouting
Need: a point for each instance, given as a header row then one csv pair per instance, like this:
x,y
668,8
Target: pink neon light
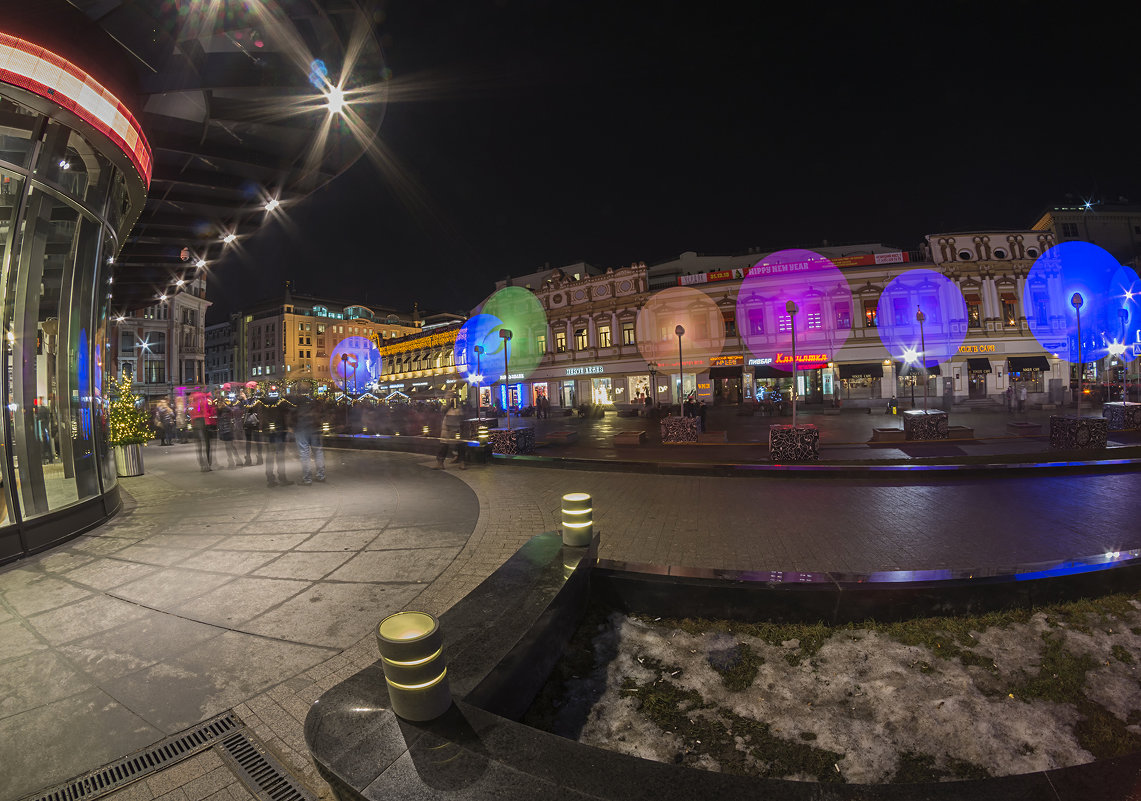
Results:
x,y
42,72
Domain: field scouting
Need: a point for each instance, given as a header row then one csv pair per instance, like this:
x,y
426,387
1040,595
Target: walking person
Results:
x,y
203,423
251,425
307,434
1021,398
1009,400
273,414
226,427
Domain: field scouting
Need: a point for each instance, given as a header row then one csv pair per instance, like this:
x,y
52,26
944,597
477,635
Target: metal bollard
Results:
x,y
578,520
412,656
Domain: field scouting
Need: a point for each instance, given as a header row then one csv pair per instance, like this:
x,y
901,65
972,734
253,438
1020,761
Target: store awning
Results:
x,y
1016,364
1007,297
768,371
910,367
866,370
978,366
972,298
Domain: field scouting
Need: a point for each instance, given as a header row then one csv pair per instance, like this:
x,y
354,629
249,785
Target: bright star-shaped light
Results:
x,y
200,263
272,204
179,282
911,355
475,379
1117,348
335,100
228,238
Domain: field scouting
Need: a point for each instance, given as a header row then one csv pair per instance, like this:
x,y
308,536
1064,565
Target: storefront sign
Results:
x,y
419,383
513,377
588,370
759,362
977,348
804,361
738,273
726,361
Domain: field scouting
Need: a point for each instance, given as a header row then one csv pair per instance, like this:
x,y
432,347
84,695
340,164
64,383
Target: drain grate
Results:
x,y
142,763
261,772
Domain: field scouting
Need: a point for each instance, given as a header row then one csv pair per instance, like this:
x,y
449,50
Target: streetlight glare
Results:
x,y
335,100
228,238
272,204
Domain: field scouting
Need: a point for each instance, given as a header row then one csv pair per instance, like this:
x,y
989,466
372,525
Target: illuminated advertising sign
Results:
x,y
355,363
43,73
588,370
787,267
804,361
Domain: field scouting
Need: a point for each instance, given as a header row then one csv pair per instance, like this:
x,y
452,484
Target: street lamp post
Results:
x,y
922,318
1076,300
479,385
345,372
505,335
680,331
1124,315
790,307
653,368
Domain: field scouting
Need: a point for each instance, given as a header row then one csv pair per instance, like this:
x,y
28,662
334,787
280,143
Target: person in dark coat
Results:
x,y
273,414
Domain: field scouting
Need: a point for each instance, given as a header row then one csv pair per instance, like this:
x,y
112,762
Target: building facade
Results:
x,y
220,354
610,337
163,346
1115,227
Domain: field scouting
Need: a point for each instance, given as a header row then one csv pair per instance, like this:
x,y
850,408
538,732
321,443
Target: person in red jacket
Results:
x,y
204,424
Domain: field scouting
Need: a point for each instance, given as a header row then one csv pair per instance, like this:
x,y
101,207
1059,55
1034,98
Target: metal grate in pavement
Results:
x,y
260,771
151,759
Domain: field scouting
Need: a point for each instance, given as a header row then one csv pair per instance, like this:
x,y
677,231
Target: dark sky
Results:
x,y
617,131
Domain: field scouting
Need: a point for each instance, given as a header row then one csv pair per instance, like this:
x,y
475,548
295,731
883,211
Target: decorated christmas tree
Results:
x,y
128,417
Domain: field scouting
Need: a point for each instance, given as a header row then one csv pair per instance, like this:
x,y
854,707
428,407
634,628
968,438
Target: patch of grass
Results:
x,y
810,636
914,767
1121,654
1102,733
737,666
1061,678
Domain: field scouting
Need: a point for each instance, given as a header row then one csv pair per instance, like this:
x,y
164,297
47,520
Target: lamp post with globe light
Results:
x,y
680,331
505,335
1123,313
1076,300
653,368
922,318
790,307
478,350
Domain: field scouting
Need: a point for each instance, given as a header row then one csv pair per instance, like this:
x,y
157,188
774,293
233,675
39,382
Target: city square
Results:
x,y
304,499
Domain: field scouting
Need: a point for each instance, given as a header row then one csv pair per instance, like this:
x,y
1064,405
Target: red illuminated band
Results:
x,y
43,73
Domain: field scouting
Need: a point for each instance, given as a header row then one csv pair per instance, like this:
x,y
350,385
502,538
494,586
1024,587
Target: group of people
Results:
x,y
264,423
1016,395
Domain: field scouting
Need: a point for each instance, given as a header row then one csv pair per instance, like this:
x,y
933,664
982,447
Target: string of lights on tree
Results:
x,y
128,419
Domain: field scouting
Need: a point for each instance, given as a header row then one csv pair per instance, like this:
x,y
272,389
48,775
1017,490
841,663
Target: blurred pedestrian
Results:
x,y
1021,398
1009,400
273,414
251,425
226,432
203,424
307,433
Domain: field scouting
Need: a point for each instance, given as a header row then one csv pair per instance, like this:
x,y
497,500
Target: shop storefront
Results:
x,y
909,381
861,381
1029,372
639,388
72,183
602,391
978,371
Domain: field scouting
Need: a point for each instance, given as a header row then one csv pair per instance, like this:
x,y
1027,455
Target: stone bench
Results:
x,y
960,432
1024,429
629,437
562,437
888,435
712,436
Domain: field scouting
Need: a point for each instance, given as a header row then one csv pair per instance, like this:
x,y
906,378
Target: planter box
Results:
x,y
679,429
1122,416
788,444
1078,433
128,460
888,435
919,425
1024,429
513,442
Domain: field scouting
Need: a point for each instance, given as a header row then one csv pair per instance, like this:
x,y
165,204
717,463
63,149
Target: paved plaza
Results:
x,y
211,591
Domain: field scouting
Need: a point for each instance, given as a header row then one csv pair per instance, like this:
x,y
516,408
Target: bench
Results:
x,y
960,432
562,436
1024,429
629,437
888,435
713,436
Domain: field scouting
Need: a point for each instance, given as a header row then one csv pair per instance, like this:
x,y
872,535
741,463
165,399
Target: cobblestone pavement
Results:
x,y
211,591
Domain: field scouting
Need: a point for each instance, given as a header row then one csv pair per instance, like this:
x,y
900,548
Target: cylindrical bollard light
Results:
x,y
412,656
578,520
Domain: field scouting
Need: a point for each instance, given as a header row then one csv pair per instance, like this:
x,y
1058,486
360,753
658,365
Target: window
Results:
x,y
627,333
154,371
843,315
604,336
756,322
871,316
814,318
731,327
1009,316
580,339
784,322
899,309
560,341
127,341
541,341
1069,229
965,255
974,313
999,253
1032,252
1040,309
320,328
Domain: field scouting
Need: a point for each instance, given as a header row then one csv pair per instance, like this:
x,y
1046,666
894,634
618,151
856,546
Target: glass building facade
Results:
x,y
73,172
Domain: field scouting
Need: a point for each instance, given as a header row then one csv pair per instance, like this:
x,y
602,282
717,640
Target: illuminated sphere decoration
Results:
x,y
694,311
361,368
945,318
518,310
1106,287
817,288
479,329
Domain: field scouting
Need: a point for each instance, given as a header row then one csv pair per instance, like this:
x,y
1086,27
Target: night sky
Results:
x,y
614,132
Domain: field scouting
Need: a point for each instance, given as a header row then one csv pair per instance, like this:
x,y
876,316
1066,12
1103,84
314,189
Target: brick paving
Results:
x,y
211,591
